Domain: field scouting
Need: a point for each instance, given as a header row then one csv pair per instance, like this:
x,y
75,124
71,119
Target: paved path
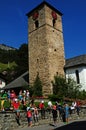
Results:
x,y
75,125
41,127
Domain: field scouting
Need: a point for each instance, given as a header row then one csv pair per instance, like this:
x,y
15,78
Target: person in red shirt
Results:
x,y
29,116
16,105
41,105
42,108
77,107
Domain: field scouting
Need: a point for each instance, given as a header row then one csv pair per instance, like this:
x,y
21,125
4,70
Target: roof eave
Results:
x,y
42,4
78,65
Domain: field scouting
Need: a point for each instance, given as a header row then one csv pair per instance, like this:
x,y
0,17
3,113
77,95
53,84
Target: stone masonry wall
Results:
x,y
46,48
8,121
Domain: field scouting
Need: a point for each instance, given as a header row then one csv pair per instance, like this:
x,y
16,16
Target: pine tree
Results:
x,y
37,86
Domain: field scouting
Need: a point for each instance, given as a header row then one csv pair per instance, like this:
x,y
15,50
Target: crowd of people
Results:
x,y
23,97
63,111
32,111
15,101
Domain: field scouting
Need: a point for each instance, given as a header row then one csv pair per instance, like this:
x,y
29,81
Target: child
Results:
x,y
29,116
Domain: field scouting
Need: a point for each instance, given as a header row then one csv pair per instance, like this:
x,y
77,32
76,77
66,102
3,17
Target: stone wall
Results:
x,y
8,121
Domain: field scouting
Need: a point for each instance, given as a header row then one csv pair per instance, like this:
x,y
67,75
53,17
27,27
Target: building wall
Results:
x,y
82,75
46,48
2,83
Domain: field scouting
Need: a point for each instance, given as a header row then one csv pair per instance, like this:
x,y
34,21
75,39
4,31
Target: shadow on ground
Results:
x,y
81,125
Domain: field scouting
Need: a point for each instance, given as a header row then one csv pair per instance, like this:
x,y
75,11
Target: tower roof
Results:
x,y
41,5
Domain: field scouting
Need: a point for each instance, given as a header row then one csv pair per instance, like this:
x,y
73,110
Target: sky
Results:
x,y
14,24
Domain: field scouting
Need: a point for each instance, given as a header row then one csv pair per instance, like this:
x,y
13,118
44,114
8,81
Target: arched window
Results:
x,y
77,76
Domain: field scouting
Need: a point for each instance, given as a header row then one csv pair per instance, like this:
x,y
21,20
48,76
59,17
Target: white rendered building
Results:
x,y
75,68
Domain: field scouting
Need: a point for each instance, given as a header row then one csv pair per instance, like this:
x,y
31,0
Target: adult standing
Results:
x,y
42,108
66,109
16,105
54,113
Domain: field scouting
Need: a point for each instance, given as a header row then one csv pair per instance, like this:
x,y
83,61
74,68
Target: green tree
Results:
x,y
8,56
63,87
22,59
22,56
73,88
37,87
81,95
59,86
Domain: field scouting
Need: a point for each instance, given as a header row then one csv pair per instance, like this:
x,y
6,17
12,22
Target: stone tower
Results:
x,y
46,46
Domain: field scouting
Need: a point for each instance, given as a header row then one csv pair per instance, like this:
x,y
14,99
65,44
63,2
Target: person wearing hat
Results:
x,y
42,109
49,107
16,105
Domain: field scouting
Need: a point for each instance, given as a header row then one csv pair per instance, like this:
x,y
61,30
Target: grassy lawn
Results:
x,y
6,66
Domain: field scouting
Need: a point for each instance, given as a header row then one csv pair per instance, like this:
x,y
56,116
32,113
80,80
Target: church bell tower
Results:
x,y
45,45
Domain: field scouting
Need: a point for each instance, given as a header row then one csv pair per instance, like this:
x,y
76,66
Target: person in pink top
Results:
x,y
12,95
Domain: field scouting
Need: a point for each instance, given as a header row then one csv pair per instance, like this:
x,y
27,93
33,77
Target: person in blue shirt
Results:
x,y
66,108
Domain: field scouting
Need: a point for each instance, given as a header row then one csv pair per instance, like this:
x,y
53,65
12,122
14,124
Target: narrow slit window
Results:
x,y
54,22
77,77
36,24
